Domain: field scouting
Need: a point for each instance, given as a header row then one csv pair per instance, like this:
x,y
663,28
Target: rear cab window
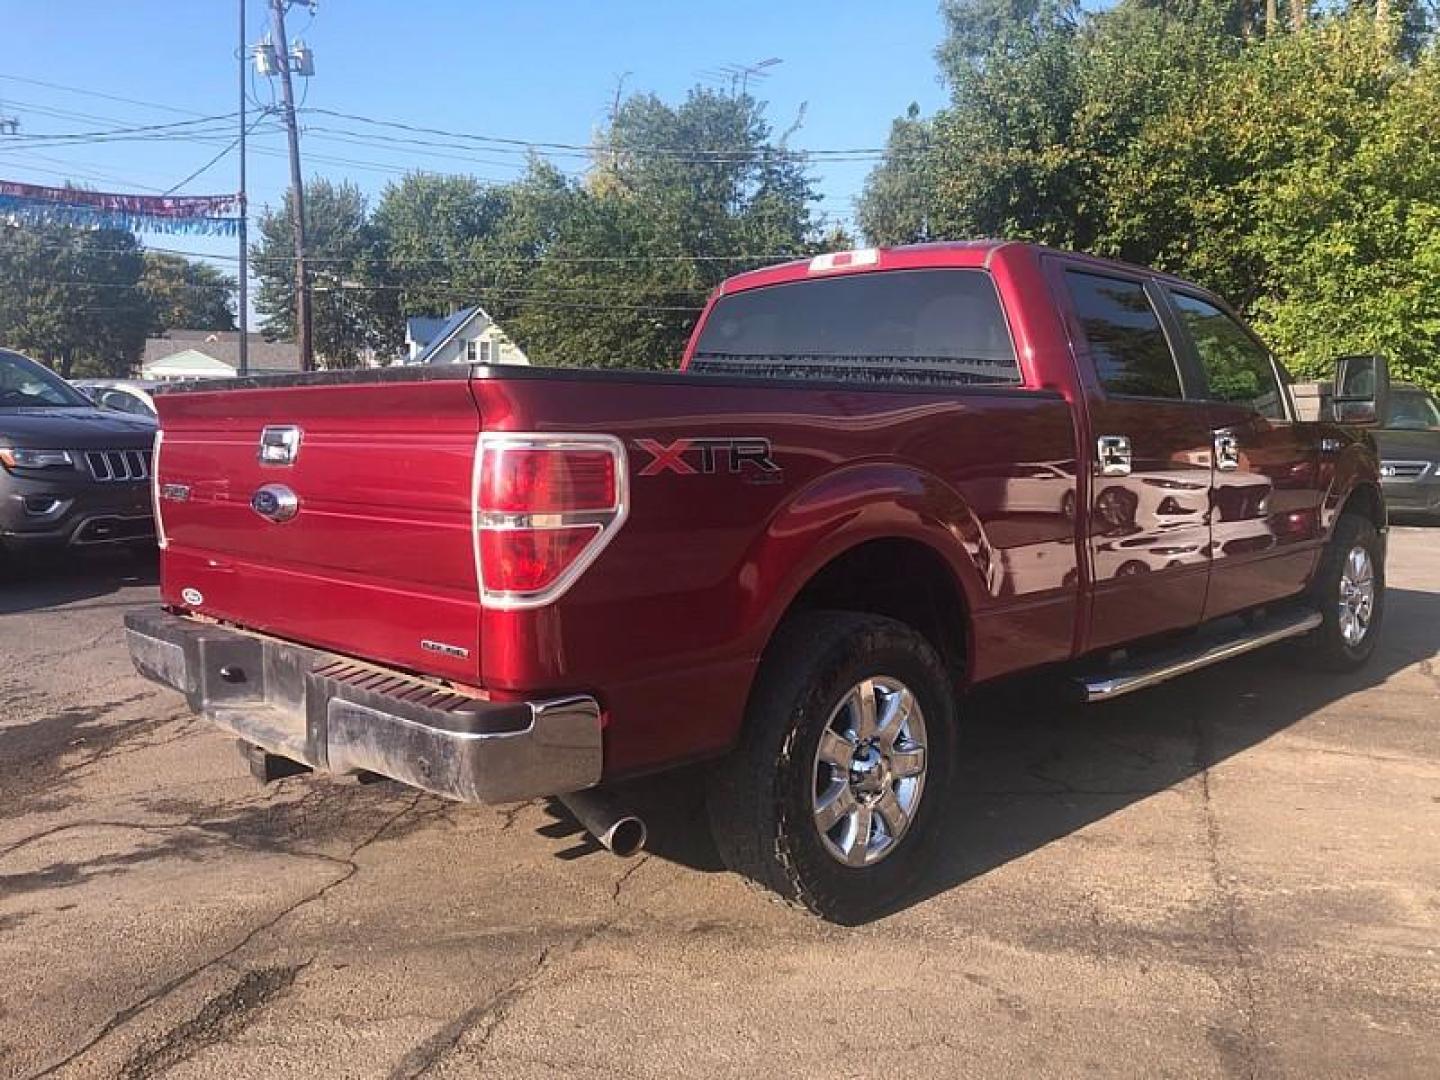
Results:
x,y
1128,346
940,326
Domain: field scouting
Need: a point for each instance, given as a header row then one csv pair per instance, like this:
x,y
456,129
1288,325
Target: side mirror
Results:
x,y
1362,390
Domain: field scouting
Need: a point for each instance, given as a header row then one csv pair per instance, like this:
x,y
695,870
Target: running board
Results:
x,y
1192,657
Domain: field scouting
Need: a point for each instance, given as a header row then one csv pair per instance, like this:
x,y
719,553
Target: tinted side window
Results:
x,y
1413,410
1127,344
923,326
1236,367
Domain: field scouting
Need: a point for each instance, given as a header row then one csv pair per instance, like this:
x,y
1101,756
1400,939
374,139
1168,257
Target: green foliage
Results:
x,y
1297,174
899,194
186,294
340,246
681,198
611,272
73,297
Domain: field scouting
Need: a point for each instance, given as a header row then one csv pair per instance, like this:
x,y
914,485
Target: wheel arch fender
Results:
x,y
845,510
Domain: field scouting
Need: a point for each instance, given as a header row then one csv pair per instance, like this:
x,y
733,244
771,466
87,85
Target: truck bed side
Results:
x,y
674,615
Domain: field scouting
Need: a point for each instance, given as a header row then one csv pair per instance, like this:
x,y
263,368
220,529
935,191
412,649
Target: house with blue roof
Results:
x,y
469,336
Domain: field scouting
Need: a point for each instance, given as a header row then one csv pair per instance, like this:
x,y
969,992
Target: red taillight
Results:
x,y
545,507
529,560
541,481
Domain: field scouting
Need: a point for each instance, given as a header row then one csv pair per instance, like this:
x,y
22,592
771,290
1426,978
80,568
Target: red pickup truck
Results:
x,y
881,478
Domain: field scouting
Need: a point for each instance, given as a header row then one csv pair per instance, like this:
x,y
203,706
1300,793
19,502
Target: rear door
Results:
x,y
1148,528
1265,516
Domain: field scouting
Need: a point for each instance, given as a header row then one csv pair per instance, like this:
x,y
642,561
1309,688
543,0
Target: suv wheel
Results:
x,y
1350,592
841,780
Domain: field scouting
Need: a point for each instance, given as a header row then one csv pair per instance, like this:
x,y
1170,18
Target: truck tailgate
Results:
x,y
379,559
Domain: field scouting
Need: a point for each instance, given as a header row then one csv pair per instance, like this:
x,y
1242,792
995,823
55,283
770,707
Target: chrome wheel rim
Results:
x,y
1357,596
869,771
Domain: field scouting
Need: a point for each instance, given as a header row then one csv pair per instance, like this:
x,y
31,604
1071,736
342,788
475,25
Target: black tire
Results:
x,y
1328,648
760,797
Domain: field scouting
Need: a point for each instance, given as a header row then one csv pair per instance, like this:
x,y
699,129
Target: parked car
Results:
x,y
123,395
71,473
789,560
1409,443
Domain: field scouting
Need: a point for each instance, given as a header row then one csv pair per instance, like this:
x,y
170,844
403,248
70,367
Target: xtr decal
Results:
x,y
736,454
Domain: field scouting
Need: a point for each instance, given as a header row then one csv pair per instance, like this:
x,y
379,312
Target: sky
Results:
x,y
533,70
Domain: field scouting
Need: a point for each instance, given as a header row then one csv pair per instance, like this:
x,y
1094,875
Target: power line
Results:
x,y
140,129
234,143
523,299
73,169
769,257
100,94
214,139
529,145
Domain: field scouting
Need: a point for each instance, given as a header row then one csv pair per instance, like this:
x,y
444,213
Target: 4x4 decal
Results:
x,y
708,453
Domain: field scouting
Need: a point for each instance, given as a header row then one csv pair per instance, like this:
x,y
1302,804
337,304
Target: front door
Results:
x,y
1265,518
1149,507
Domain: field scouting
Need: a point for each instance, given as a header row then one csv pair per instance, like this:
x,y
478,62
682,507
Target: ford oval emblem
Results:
x,y
275,502
192,597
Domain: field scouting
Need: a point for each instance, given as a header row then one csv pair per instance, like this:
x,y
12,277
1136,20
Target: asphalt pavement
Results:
x,y
1236,874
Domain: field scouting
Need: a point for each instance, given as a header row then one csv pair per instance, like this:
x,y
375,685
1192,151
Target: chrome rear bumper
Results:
x,y
335,714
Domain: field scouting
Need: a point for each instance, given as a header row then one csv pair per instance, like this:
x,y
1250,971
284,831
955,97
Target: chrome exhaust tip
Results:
x,y
617,831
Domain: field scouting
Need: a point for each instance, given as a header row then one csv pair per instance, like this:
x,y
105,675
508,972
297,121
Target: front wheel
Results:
x,y
1350,593
841,781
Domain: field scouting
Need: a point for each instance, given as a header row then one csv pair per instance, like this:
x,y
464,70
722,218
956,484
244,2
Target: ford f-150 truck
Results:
x,y
881,477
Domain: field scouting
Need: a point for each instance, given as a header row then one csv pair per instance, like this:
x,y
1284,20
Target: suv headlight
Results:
x,y
24,458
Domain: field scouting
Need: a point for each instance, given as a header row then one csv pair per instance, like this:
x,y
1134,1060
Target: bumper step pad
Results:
x,y
332,713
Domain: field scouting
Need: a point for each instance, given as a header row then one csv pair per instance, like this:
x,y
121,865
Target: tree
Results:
x,y
611,271
348,318
72,297
428,228
900,195
681,197
1296,173
187,294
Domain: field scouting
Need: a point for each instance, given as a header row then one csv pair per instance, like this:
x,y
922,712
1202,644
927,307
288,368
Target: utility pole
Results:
x,y
244,306
297,187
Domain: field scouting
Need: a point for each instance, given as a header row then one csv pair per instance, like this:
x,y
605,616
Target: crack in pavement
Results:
x,y
1249,1048
491,1013
123,747
512,813
219,1019
625,877
129,1012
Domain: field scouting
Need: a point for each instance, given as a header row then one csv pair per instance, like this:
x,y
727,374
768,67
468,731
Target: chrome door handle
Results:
x,y
1227,452
1112,455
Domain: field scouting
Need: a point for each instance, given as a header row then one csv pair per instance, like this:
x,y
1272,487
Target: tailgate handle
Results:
x,y
279,445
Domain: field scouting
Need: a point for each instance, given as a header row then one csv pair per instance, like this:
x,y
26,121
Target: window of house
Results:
x,y
487,353
1127,343
472,352
1237,367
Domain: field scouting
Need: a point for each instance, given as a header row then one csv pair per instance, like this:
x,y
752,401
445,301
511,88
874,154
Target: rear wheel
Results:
x,y
1350,593
840,784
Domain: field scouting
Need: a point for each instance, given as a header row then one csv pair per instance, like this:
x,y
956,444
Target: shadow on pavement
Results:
x,y
37,582
1034,769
